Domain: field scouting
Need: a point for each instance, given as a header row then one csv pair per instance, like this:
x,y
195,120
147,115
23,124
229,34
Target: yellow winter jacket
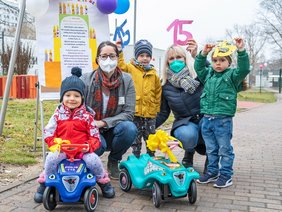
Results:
x,y
147,86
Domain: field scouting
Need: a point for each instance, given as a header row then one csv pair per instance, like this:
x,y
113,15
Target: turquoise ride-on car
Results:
x,y
164,175
72,183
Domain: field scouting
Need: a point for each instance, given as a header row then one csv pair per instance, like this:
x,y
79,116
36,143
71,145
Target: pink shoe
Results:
x,y
41,178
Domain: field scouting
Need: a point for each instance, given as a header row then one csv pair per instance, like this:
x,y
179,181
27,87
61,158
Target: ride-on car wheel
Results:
x,y
49,198
192,192
157,194
125,180
91,199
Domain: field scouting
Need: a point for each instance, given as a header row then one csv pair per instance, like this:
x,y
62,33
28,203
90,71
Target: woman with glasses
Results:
x,y
181,91
111,94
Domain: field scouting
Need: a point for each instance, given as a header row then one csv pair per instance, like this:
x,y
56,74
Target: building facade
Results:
x,y
9,14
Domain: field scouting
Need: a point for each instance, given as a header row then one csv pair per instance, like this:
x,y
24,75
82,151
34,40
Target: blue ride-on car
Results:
x,y
72,183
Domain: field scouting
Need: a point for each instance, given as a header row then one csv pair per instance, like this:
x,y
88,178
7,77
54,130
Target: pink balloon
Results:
x,y
106,6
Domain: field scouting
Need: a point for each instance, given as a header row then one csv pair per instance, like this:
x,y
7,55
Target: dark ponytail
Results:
x,y
245,85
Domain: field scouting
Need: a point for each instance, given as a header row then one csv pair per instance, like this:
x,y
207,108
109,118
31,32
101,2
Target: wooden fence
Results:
x,y
22,87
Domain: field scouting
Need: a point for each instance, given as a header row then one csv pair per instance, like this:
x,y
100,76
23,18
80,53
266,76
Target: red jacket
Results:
x,y
77,126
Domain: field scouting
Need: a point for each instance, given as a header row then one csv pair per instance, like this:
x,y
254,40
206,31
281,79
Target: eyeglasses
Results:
x,y
105,56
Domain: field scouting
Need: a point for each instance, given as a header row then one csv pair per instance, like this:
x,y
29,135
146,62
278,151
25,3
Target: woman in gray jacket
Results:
x,y
111,94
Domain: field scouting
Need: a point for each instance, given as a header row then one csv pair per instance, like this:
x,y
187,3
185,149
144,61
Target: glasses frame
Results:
x,y
106,56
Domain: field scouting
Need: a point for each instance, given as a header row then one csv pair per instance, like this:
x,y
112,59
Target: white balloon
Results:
x,y
37,8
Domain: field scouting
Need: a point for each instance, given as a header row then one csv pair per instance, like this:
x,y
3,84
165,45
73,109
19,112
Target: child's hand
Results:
x,y
207,48
84,150
239,44
118,43
192,47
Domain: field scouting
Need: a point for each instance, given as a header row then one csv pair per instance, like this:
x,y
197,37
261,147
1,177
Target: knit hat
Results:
x,y
73,83
142,46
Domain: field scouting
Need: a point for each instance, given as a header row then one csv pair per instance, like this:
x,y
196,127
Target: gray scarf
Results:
x,y
183,80
145,68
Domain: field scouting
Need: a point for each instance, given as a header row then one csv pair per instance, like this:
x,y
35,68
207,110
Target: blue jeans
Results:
x,y
217,133
188,135
117,140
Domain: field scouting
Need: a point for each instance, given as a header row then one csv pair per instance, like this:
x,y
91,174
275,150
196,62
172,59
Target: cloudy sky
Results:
x,y
210,18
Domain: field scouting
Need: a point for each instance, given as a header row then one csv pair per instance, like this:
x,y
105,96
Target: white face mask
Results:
x,y
108,65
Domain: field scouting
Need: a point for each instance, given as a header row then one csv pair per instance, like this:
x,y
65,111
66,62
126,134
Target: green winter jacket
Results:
x,y
219,96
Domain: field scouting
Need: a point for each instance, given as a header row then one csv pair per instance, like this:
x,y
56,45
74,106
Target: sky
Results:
x,y
210,18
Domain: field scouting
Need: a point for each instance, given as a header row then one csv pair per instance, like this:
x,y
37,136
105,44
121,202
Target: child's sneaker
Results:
x,y
207,178
38,196
223,182
107,189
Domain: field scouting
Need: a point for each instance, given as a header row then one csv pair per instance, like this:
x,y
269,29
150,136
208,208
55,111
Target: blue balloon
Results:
x,y
122,6
106,6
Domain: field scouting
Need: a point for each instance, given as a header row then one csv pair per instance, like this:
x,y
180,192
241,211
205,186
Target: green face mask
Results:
x,y
176,65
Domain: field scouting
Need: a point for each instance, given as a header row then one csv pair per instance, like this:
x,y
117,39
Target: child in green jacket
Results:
x,y
218,104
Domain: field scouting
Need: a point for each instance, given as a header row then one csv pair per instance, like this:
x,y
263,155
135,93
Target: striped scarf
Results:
x,y
138,64
112,84
183,80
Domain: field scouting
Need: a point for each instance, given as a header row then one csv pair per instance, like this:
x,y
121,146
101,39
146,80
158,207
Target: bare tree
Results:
x,y
255,40
23,60
270,17
27,32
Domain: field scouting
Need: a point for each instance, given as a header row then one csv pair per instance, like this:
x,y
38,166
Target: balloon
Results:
x,y
37,8
122,6
106,6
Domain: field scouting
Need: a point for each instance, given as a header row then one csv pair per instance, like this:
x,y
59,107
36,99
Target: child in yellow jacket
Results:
x,y
148,91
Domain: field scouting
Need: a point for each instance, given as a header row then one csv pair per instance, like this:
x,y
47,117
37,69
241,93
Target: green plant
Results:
x,y
255,96
16,143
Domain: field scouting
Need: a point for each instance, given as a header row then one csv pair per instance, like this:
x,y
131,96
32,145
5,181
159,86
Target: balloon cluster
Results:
x,y
38,8
110,6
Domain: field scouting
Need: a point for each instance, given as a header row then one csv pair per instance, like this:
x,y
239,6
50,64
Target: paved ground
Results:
x,y
248,105
257,180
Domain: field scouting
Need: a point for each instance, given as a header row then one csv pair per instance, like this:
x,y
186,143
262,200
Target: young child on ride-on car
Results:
x,y
72,121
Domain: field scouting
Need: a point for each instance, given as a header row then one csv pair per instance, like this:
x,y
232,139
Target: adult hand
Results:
x,y
207,48
118,43
101,124
192,47
239,44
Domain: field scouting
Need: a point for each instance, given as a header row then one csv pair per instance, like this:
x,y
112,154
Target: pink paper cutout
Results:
x,y
178,30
